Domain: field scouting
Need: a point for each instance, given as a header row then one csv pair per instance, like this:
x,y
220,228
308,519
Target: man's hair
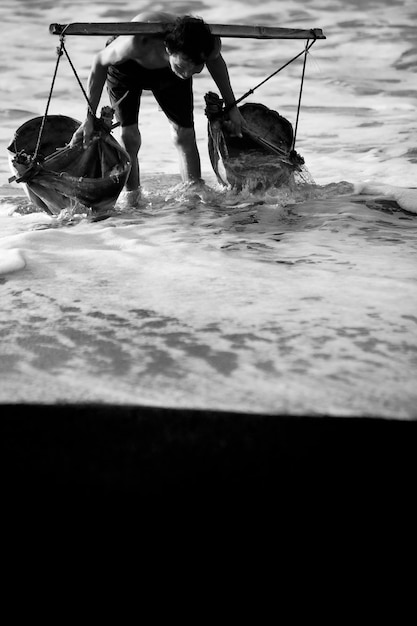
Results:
x,y
192,37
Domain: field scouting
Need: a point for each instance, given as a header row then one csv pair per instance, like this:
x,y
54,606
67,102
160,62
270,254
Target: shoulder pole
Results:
x,y
153,28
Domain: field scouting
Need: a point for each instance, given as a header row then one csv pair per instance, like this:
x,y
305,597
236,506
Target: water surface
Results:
x,y
294,301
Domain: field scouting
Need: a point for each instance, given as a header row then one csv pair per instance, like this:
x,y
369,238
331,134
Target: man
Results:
x,y
164,64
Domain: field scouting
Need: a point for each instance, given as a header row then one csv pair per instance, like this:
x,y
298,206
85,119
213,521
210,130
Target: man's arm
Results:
x,y
118,51
96,82
219,72
121,49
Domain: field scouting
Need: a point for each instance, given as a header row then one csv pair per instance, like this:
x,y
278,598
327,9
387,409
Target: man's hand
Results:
x,y
236,121
84,133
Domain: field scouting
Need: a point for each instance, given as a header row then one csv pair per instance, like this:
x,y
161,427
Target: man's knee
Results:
x,y
183,137
131,138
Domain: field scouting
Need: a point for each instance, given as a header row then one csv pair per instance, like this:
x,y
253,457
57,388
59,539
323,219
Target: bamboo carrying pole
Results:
x,y
223,30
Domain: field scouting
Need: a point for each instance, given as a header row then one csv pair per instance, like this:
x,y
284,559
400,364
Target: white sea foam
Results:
x,y
11,261
406,198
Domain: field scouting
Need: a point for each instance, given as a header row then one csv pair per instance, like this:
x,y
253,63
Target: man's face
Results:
x,y
182,66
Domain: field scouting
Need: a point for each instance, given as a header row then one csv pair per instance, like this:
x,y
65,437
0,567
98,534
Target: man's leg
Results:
x,y
125,95
175,97
131,141
189,158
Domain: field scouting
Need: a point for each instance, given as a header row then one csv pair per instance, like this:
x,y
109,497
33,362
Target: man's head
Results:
x,y
189,43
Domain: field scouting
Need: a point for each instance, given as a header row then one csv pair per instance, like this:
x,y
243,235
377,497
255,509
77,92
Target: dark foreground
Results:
x,y
85,450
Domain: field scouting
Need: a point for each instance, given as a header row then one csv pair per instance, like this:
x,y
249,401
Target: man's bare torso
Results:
x,y
147,50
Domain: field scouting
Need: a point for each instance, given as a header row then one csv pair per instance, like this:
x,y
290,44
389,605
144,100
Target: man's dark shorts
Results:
x,y
173,94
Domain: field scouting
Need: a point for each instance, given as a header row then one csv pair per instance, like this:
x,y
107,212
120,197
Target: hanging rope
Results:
x,y
60,50
251,91
78,80
300,94
41,129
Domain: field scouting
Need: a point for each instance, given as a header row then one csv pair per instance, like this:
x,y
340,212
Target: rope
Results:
x,y
41,129
300,94
59,52
251,91
79,81
84,92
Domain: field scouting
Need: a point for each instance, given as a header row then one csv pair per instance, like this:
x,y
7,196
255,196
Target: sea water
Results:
x,y
292,301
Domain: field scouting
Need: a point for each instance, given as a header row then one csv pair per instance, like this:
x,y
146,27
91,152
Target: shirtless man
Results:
x,y
164,64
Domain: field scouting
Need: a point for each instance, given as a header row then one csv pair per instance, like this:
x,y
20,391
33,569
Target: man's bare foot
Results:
x,y
130,199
